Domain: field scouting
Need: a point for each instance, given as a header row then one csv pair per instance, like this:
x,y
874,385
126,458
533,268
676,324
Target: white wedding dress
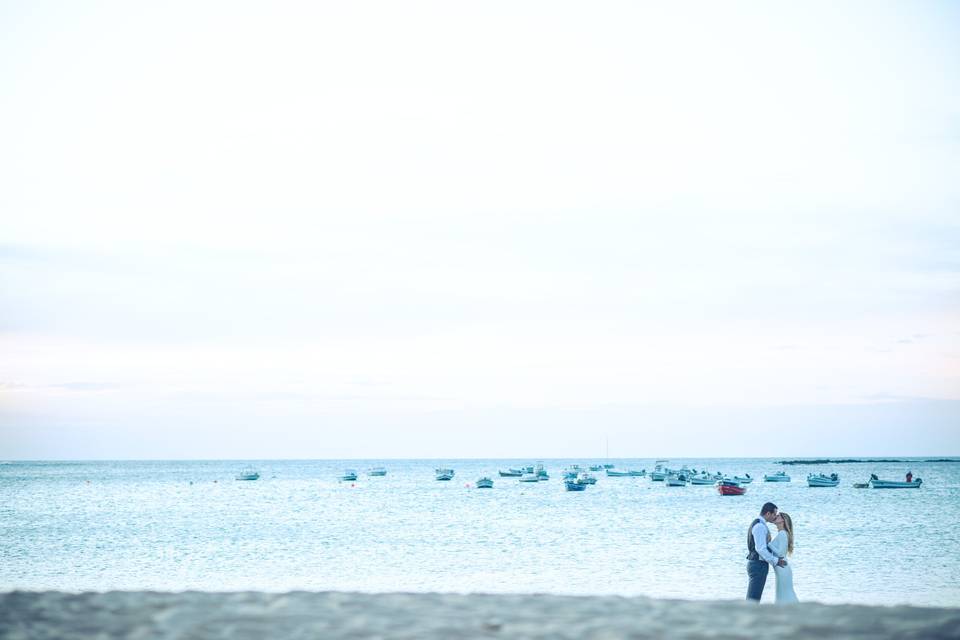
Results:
x,y
785,593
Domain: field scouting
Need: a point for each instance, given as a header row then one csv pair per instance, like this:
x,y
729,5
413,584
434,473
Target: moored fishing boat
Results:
x,y
511,473
703,478
730,488
349,475
484,483
529,477
637,474
877,483
574,485
823,480
377,472
586,478
744,479
596,467
779,476
444,474
613,473
248,474
676,480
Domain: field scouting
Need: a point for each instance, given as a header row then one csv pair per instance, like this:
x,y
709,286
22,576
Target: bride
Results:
x,y
782,545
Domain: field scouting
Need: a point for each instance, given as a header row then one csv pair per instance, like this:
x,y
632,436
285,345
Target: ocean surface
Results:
x,y
179,525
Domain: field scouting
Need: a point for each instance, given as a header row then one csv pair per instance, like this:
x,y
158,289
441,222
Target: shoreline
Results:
x,y
426,616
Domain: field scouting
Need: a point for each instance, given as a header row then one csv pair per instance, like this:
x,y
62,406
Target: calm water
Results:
x,y
143,525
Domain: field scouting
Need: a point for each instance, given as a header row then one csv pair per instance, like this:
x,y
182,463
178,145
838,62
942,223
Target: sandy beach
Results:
x,y
332,615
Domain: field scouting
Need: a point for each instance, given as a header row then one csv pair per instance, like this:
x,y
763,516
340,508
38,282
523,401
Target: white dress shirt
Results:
x,y
760,533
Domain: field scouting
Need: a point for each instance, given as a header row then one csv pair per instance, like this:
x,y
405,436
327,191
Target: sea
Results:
x,y
190,525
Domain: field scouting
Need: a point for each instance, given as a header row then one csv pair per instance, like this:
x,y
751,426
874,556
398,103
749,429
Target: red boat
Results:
x,y
727,488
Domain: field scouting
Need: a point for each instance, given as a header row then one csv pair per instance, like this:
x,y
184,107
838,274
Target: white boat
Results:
x,y
586,478
779,476
637,474
676,480
744,479
703,479
377,471
484,483
529,477
613,473
511,473
659,474
823,480
248,474
541,472
877,483
348,476
444,474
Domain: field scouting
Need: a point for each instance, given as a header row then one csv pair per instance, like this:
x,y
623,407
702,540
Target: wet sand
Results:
x,y
334,615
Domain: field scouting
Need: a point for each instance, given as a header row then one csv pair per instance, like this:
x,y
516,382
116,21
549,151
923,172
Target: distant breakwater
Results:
x,y
866,460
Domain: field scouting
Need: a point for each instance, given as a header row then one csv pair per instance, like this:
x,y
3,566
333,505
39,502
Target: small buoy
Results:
x,y
467,485
352,485
215,480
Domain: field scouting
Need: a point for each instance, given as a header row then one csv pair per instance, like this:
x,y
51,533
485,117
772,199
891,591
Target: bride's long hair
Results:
x,y
788,527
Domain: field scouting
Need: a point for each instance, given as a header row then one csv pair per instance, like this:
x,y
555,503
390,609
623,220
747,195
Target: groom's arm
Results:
x,y
760,533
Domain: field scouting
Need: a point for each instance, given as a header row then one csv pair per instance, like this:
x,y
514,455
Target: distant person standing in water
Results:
x,y
909,476
759,556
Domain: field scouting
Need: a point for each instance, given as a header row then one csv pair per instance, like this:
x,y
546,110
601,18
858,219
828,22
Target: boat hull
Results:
x,y
731,490
890,484
822,481
484,484
575,486
776,478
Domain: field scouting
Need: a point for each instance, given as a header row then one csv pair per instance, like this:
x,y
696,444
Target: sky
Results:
x,y
454,230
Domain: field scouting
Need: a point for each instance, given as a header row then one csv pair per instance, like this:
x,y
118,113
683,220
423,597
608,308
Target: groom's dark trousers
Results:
x,y
757,571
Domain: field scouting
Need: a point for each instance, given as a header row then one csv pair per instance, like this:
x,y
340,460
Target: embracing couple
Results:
x,y
765,551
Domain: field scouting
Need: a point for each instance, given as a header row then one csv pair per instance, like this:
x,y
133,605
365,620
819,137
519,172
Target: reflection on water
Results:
x,y
190,525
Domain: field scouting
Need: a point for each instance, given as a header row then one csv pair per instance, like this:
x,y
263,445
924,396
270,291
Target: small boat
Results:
x,y
659,474
586,478
703,479
676,480
823,480
877,483
485,483
744,479
348,476
596,467
861,485
377,471
444,474
541,472
248,474
529,477
608,466
779,476
730,488
511,473
574,485
613,473
637,474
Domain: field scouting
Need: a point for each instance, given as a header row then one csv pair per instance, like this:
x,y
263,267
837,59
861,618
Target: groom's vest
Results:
x,y
751,547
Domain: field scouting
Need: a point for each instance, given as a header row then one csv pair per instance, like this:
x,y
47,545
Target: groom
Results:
x,y
759,555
